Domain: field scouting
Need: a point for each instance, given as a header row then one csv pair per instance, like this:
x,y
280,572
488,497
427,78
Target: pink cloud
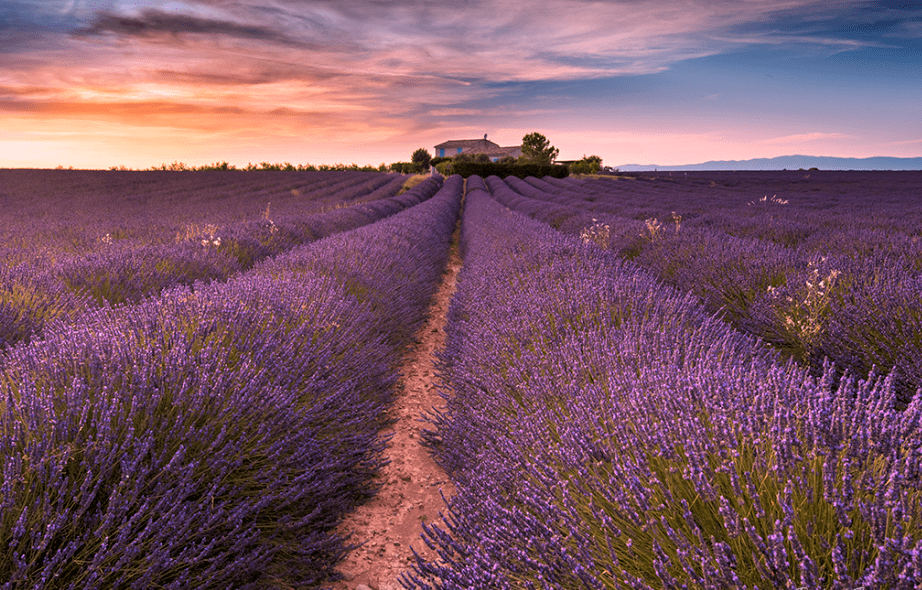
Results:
x,y
806,137
368,78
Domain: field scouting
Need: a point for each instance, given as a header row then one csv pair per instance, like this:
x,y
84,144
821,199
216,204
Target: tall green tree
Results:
x,y
422,157
536,148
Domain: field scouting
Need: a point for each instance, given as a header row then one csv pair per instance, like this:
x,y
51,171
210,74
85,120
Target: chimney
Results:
x,y
484,136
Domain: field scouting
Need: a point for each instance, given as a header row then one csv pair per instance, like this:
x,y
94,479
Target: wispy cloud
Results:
x,y
906,142
806,137
498,41
154,23
384,71
786,39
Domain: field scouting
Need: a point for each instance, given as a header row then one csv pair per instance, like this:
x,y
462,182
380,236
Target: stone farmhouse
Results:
x,y
494,151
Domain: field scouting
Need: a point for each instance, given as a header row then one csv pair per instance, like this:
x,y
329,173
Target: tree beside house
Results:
x,y
536,148
535,156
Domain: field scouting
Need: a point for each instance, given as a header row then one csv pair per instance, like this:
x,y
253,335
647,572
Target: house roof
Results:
x,y
512,150
468,144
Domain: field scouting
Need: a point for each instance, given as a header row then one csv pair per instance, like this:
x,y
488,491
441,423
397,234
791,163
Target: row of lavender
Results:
x,y
606,431
213,438
37,292
788,208
844,289
51,213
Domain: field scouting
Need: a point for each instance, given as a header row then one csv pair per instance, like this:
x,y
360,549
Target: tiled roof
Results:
x,y
467,144
512,150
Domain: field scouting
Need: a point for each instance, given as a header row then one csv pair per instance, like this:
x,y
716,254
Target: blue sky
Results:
x,y
108,83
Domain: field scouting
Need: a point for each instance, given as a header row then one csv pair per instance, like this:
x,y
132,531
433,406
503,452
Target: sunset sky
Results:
x,y
121,83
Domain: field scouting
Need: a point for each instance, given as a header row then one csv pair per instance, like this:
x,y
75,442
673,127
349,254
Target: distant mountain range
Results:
x,y
789,163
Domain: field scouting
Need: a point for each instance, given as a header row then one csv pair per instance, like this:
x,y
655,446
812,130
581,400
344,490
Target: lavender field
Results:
x,y
708,380
819,264
208,430
614,421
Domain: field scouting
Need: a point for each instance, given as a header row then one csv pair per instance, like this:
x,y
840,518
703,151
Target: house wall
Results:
x,y
451,152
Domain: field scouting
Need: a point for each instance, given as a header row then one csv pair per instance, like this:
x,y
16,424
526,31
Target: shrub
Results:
x,y
588,165
485,169
407,167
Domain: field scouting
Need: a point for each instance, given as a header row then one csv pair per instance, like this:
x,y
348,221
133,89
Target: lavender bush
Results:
x,y
606,431
116,272
213,438
193,440
50,213
753,259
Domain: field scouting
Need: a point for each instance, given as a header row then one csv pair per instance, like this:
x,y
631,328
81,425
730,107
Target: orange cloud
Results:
x,y
369,78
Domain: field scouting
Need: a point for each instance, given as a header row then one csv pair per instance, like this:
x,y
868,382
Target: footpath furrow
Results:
x,y
412,484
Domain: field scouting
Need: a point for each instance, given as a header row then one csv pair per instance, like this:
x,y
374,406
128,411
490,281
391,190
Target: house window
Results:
x,y
442,153
459,150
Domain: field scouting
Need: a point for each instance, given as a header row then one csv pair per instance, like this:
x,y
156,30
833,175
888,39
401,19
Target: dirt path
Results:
x,y
392,522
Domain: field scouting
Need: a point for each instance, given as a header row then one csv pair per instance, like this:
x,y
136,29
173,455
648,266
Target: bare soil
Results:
x,y
391,523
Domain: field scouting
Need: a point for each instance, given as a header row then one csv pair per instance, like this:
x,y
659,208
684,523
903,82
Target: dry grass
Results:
x,y
599,176
412,181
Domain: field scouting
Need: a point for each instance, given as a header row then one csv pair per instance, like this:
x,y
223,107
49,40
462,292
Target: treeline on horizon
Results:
x,y
537,159
250,167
